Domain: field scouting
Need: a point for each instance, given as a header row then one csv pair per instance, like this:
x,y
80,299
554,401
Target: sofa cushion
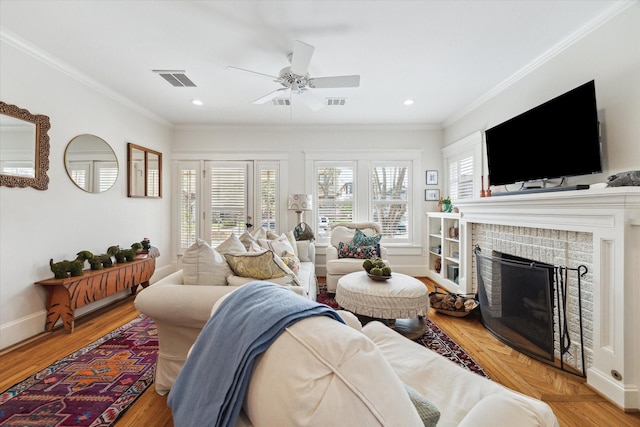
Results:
x,y
343,266
346,250
203,265
259,265
329,365
231,245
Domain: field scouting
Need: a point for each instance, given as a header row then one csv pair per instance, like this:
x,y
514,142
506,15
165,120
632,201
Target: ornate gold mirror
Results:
x,y
144,172
24,148
91,163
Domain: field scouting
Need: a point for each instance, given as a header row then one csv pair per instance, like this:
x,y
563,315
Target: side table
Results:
x,y
65,295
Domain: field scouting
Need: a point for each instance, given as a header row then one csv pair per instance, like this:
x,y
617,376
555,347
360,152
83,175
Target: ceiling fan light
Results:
x,y
197,102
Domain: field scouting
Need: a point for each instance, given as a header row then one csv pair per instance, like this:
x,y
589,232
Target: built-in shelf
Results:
x,y
445,267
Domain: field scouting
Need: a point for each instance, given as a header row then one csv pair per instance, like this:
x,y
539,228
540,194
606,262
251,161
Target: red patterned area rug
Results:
x,y
90,387
434,339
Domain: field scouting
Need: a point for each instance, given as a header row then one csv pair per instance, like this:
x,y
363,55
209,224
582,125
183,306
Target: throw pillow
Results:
x,y
231,245
259,265
291,261
292,239
346,250
247,239
428,412
203,265
254,247
362,239
259,233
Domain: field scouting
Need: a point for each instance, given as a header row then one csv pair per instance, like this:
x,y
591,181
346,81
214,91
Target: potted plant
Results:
x,y
446,204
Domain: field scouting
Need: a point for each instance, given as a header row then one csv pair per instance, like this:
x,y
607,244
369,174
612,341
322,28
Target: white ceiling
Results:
x,y
447,55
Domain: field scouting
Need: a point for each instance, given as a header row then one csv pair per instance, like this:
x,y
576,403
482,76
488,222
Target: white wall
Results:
x,y
57,223
247,143
610,55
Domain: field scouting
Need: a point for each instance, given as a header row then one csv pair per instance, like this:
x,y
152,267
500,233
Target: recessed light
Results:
x,y
197,102
408,102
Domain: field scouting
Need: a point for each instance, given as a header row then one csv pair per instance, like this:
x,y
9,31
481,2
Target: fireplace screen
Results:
x,y
523,305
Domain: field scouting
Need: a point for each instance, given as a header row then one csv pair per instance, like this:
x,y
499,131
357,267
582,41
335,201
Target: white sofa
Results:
x,y
338,267
320,372
180,311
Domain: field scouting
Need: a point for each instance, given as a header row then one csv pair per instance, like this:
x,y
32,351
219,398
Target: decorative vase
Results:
x,y
447,207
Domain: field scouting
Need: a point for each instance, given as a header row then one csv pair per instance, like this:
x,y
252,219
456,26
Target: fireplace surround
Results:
x,y
599,228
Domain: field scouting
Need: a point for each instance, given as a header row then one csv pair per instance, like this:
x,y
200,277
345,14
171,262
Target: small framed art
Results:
x,y
432,177
431,195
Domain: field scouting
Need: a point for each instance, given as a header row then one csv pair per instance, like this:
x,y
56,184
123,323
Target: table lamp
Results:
x,y
300,203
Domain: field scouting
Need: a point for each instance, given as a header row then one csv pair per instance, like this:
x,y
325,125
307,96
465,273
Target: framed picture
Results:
x,y
432,177
431,195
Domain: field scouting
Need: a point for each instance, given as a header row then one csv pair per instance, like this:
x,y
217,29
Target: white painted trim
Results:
x,y
39,54
310,128
615,9
217,155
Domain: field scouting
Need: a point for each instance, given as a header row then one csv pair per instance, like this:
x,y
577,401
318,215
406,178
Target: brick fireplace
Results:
x,y
555,247
598,228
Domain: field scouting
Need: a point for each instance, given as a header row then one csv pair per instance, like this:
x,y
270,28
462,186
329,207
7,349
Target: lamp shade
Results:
x,y
300,202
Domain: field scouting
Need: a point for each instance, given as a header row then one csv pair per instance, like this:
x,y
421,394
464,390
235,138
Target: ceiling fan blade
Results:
x,y
301,57
312,100
253,72
334,82
268,97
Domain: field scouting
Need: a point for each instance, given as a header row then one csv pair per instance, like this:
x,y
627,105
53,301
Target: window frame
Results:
x,y
362,200
469,146
202,201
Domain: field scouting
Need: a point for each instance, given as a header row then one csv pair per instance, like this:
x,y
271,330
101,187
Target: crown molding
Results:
x,y
309,128
617,8
19,43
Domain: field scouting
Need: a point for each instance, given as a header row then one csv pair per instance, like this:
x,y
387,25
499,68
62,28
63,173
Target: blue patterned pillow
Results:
x,y
362,239
345,250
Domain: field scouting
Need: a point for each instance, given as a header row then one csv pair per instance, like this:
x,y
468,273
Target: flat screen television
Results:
x,y
557,139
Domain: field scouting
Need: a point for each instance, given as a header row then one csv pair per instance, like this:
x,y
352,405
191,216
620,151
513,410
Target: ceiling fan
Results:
x,y
295,79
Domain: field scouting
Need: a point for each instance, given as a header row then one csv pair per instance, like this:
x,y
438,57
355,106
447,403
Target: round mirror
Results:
x,y
91,163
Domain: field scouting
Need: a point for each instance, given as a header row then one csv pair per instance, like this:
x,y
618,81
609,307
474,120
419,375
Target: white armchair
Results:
x,y
338,267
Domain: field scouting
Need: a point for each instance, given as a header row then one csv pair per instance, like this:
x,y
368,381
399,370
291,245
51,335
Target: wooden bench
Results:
x,y
65,295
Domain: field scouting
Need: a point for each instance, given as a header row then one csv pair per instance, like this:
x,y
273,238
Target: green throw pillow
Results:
x,y
429,414
361,239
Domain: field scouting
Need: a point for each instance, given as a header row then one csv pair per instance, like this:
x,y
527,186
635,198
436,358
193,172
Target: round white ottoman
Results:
x,y
401,297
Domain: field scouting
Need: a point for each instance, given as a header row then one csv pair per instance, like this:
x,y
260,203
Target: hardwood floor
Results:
x,y
574,403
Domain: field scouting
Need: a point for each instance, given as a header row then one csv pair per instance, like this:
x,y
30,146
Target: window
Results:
x,y
334,194
378,188
188,204
220,198
390,201
268,185
228,208
461,178
464,167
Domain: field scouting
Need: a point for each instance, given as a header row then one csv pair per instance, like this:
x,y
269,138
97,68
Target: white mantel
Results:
x,y
612,215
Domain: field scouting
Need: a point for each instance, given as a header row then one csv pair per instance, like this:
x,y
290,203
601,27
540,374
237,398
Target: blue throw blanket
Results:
x,y
211,387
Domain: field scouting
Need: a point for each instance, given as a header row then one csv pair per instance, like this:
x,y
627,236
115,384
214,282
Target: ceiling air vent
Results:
x,y
282,102
336,101
176,78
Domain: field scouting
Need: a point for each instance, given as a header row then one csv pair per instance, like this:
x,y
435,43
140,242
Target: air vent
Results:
x,y
282,102
176,78
336,101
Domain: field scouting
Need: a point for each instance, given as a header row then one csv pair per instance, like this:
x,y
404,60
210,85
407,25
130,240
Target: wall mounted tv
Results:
x,y
557,139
